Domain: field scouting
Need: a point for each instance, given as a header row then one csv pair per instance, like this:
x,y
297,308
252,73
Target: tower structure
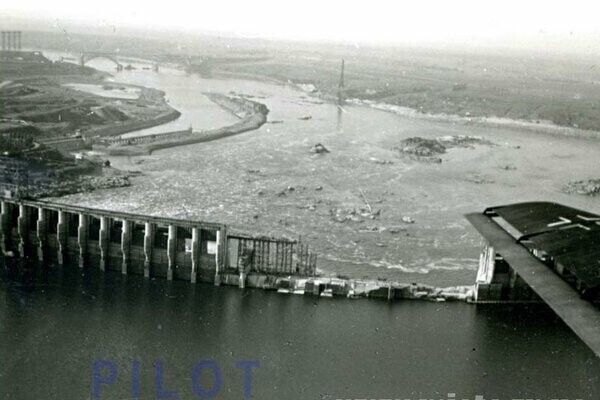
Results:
x,y
341,86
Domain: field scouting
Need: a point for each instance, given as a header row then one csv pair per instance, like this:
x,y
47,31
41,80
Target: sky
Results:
x,y
366,21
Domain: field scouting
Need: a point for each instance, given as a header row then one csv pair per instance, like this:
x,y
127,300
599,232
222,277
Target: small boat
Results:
x,y
305,118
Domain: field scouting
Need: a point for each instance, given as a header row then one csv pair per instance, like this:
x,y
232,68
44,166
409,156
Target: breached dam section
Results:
x,y
45,234
251,114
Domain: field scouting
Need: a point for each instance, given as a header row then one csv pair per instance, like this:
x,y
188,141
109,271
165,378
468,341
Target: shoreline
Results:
x,y
542,126
252,116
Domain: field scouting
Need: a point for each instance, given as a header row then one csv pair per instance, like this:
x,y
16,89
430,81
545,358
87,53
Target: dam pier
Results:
x,y
46,233
535,252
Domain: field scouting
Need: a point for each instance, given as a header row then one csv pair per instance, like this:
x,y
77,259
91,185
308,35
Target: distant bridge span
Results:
x,y
88,56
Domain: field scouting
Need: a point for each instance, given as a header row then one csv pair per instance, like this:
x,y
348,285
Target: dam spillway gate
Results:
x,y
47,233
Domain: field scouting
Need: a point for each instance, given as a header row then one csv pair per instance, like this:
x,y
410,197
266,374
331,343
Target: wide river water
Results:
x,y
243,180
54,329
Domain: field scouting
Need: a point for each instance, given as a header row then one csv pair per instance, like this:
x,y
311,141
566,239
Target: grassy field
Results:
x,y
560,88
563,91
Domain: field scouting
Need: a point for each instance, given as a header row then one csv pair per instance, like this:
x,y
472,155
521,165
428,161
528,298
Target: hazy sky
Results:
x,y
340,20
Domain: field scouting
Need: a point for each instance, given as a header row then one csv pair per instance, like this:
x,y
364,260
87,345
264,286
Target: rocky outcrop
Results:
x,y
590,187
423,149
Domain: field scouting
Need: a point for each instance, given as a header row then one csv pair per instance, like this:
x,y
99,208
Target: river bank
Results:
x,y
357,93
251,114
51,109
546,127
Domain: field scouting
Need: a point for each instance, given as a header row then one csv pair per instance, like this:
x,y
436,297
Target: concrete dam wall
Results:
x,y
48,234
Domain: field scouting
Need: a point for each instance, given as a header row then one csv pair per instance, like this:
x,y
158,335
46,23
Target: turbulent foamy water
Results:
x,y
268,181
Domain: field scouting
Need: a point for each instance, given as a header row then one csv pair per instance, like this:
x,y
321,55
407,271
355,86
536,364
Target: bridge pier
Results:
x,y
498,282
125,245
195,253
82,238
61,238
22,228
218,257
103,242
171,251
148,245
41,234
242,282
4,226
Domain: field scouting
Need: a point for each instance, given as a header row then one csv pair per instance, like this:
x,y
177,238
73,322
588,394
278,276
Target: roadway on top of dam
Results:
x,y
580,315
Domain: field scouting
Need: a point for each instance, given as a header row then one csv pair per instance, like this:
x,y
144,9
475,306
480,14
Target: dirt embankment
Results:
x,y
52,176
43,96
42,120
252,116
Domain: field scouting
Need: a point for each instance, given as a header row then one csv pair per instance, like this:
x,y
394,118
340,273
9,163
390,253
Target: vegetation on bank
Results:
x,y
42,121
471,82
468,85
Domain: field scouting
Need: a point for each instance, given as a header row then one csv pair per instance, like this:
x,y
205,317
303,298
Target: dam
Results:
x,y
543,251
47,233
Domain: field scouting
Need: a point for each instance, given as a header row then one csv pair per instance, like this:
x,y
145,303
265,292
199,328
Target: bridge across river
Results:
x,y
90,55
48,233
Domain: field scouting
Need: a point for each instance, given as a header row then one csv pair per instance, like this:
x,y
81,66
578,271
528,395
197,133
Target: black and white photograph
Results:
x,y
303,200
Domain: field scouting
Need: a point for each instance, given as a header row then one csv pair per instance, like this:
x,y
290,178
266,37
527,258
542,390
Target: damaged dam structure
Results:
x,y
535,252
46,233
542,251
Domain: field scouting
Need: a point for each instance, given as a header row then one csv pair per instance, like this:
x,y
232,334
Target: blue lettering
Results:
x,y
99,380
160,393
198,389
247,365
135,379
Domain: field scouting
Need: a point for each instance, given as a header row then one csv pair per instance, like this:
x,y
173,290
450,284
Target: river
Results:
x,y
53,330
307,348
267,181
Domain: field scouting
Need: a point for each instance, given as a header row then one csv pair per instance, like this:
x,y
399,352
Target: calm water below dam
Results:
x,y
307,348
